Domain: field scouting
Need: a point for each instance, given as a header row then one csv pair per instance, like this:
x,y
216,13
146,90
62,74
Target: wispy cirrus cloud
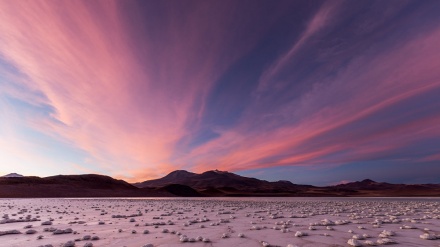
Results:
x,y
137,89
123,95
376,106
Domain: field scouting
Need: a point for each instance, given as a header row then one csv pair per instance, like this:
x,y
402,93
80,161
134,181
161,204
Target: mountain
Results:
x,y
88,185
13,175
217,182
175,177
368,187
222,183
366,184
183,184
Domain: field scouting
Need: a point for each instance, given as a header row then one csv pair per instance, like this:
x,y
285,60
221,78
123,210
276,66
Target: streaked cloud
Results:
x,y
137,89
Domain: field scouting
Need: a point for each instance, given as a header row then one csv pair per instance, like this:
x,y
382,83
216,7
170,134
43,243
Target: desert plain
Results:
x,y
224,222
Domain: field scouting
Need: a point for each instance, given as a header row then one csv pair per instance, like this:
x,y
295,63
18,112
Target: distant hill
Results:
x,y
366,184
12,175
223,182
183,184
88,185
369,187
175,177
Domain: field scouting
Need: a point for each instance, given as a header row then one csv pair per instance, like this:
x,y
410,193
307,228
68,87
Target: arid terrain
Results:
x,y
208,184
223,222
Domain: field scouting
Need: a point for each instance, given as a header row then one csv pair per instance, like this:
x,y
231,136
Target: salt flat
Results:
x,y
220,222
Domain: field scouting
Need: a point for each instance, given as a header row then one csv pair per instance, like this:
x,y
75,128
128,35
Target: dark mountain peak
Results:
x,y
83,177
217,179
221,174
368,181
284,182
216,172
213,173
174,177
90,181
13,175
180,174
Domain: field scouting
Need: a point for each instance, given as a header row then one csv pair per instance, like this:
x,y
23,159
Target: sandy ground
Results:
x,y
219,222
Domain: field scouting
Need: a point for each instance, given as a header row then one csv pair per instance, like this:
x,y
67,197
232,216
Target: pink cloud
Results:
x,y
129,102
90,77
370,85
126,114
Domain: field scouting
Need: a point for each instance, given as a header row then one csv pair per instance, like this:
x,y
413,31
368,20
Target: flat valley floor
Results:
x,y
228,222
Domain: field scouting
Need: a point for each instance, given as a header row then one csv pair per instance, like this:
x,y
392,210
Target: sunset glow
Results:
x,y
316,92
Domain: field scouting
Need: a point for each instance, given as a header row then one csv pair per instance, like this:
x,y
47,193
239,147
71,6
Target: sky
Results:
x,y
315,92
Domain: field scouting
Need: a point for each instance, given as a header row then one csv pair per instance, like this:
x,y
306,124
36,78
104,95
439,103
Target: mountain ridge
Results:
x,y
209,183
223,183
13,175
220,179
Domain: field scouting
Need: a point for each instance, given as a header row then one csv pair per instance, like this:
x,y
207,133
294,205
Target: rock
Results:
x,y
408,227
428,236
354,242
369,242
386,241
69,244
358,237
60,231
49,229
31,231
265,244
385,234
9,232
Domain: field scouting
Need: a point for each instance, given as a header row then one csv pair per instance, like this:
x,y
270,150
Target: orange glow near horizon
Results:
x,y
114,88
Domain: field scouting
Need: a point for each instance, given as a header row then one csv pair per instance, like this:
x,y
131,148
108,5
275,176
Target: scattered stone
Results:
x,y
9,232
31,231
354,242
428,236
